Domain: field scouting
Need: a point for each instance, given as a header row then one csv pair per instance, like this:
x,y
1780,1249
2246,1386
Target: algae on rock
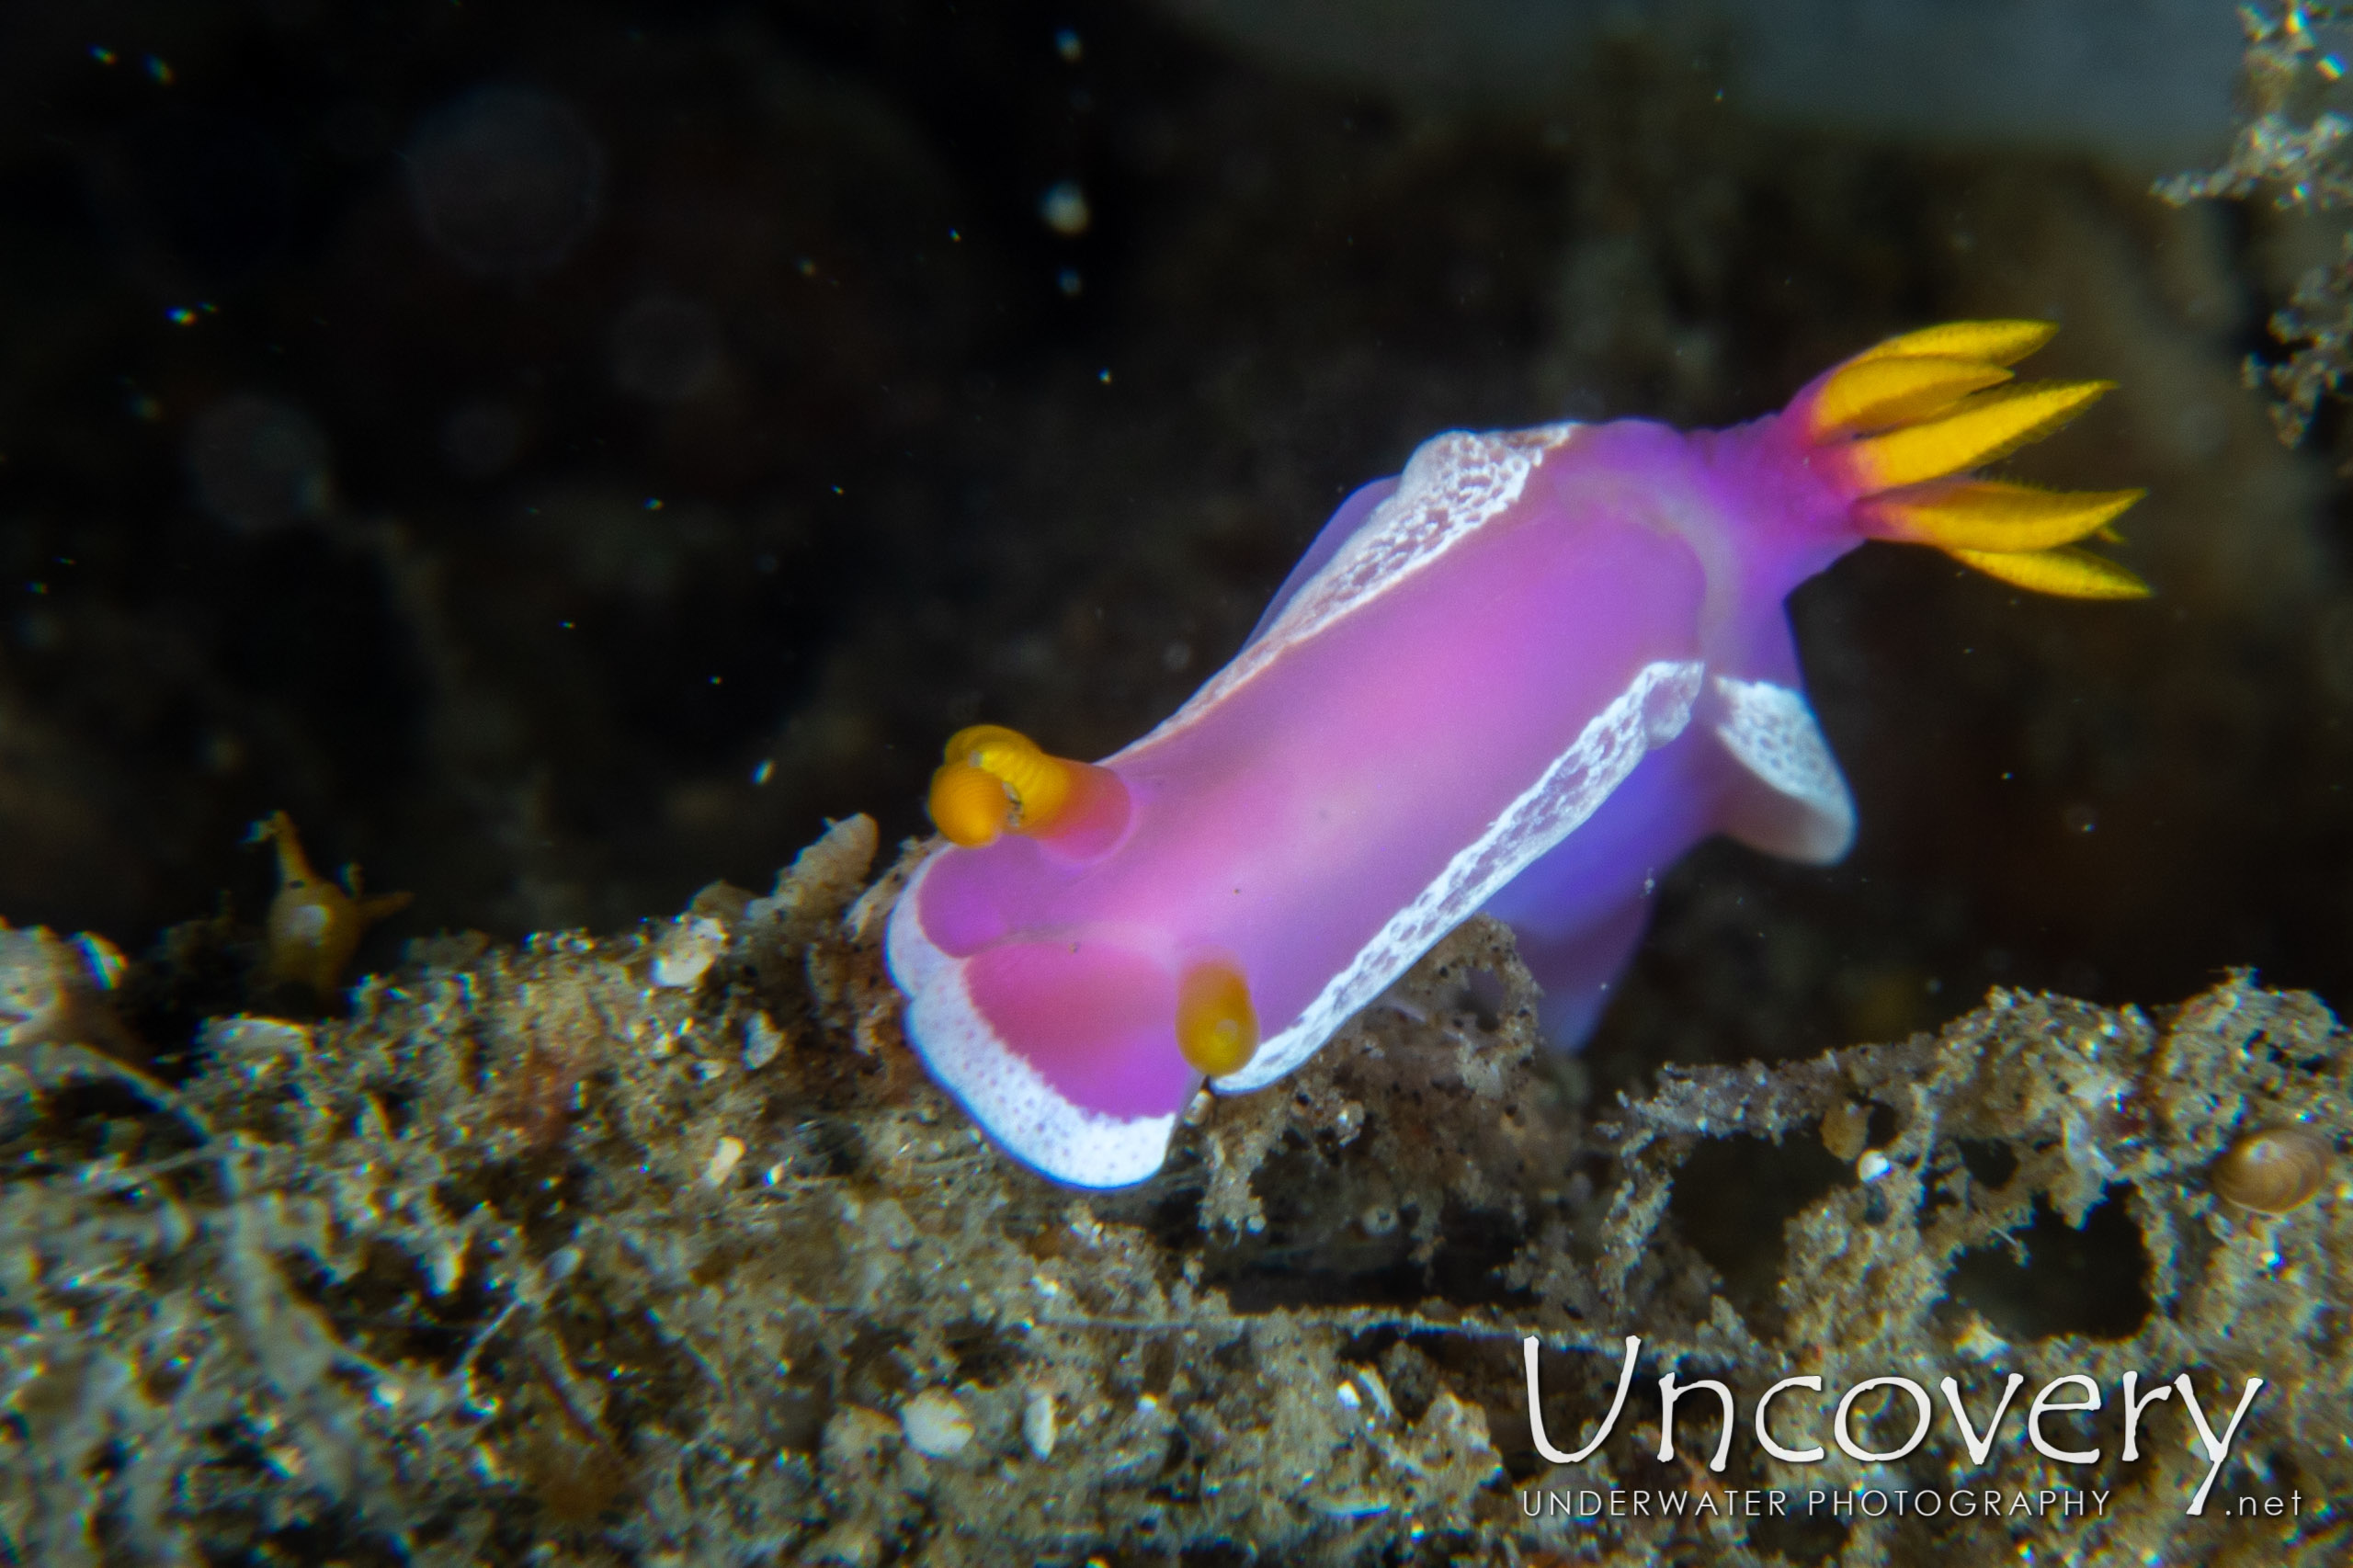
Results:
x,y
664,1249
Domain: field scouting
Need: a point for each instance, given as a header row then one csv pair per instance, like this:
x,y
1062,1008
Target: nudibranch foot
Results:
x,y
1576,969
1524,677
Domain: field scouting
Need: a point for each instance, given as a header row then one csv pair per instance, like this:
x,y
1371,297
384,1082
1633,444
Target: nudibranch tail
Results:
x,y
1911,418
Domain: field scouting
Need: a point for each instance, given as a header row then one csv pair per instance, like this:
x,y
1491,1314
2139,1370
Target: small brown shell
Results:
x,y
2273,1171
1846,1129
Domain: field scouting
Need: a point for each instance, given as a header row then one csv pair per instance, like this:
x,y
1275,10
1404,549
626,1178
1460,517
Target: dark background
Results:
x,y
563,454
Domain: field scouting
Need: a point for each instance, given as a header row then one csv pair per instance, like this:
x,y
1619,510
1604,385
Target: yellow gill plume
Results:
x,y
1973,431
1871,395
2064,572
1992,342
1991,515
1912,417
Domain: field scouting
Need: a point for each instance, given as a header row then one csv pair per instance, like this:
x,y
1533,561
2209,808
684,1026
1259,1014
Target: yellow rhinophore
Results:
x,y
997,780
1913,415
969,804
1217,1028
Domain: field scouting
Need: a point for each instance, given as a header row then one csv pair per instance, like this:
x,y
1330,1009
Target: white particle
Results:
x,y
1038,1424
935,1424
1064,207
724,1157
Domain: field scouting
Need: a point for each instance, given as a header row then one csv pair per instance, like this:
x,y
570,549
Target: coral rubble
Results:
x,y
2293,149
564,1254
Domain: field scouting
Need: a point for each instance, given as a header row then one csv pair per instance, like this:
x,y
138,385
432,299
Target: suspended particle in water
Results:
x,y
665,350
506,179
259,464
1068,44
1065,209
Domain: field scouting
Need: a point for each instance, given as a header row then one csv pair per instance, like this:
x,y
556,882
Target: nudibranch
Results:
x,y
315,926
1523,677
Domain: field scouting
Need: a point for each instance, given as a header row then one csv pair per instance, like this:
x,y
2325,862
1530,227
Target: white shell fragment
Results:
x,y
688,951
1038,1424
53,990
255,1038
446,1270
1872,1165
762,1042
937,1426
724,1157
1357,1506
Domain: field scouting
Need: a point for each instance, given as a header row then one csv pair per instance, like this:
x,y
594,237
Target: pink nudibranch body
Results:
x,y
1523,677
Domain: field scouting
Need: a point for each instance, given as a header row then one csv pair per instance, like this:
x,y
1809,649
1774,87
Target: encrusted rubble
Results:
x,y
2291,148
564,1254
